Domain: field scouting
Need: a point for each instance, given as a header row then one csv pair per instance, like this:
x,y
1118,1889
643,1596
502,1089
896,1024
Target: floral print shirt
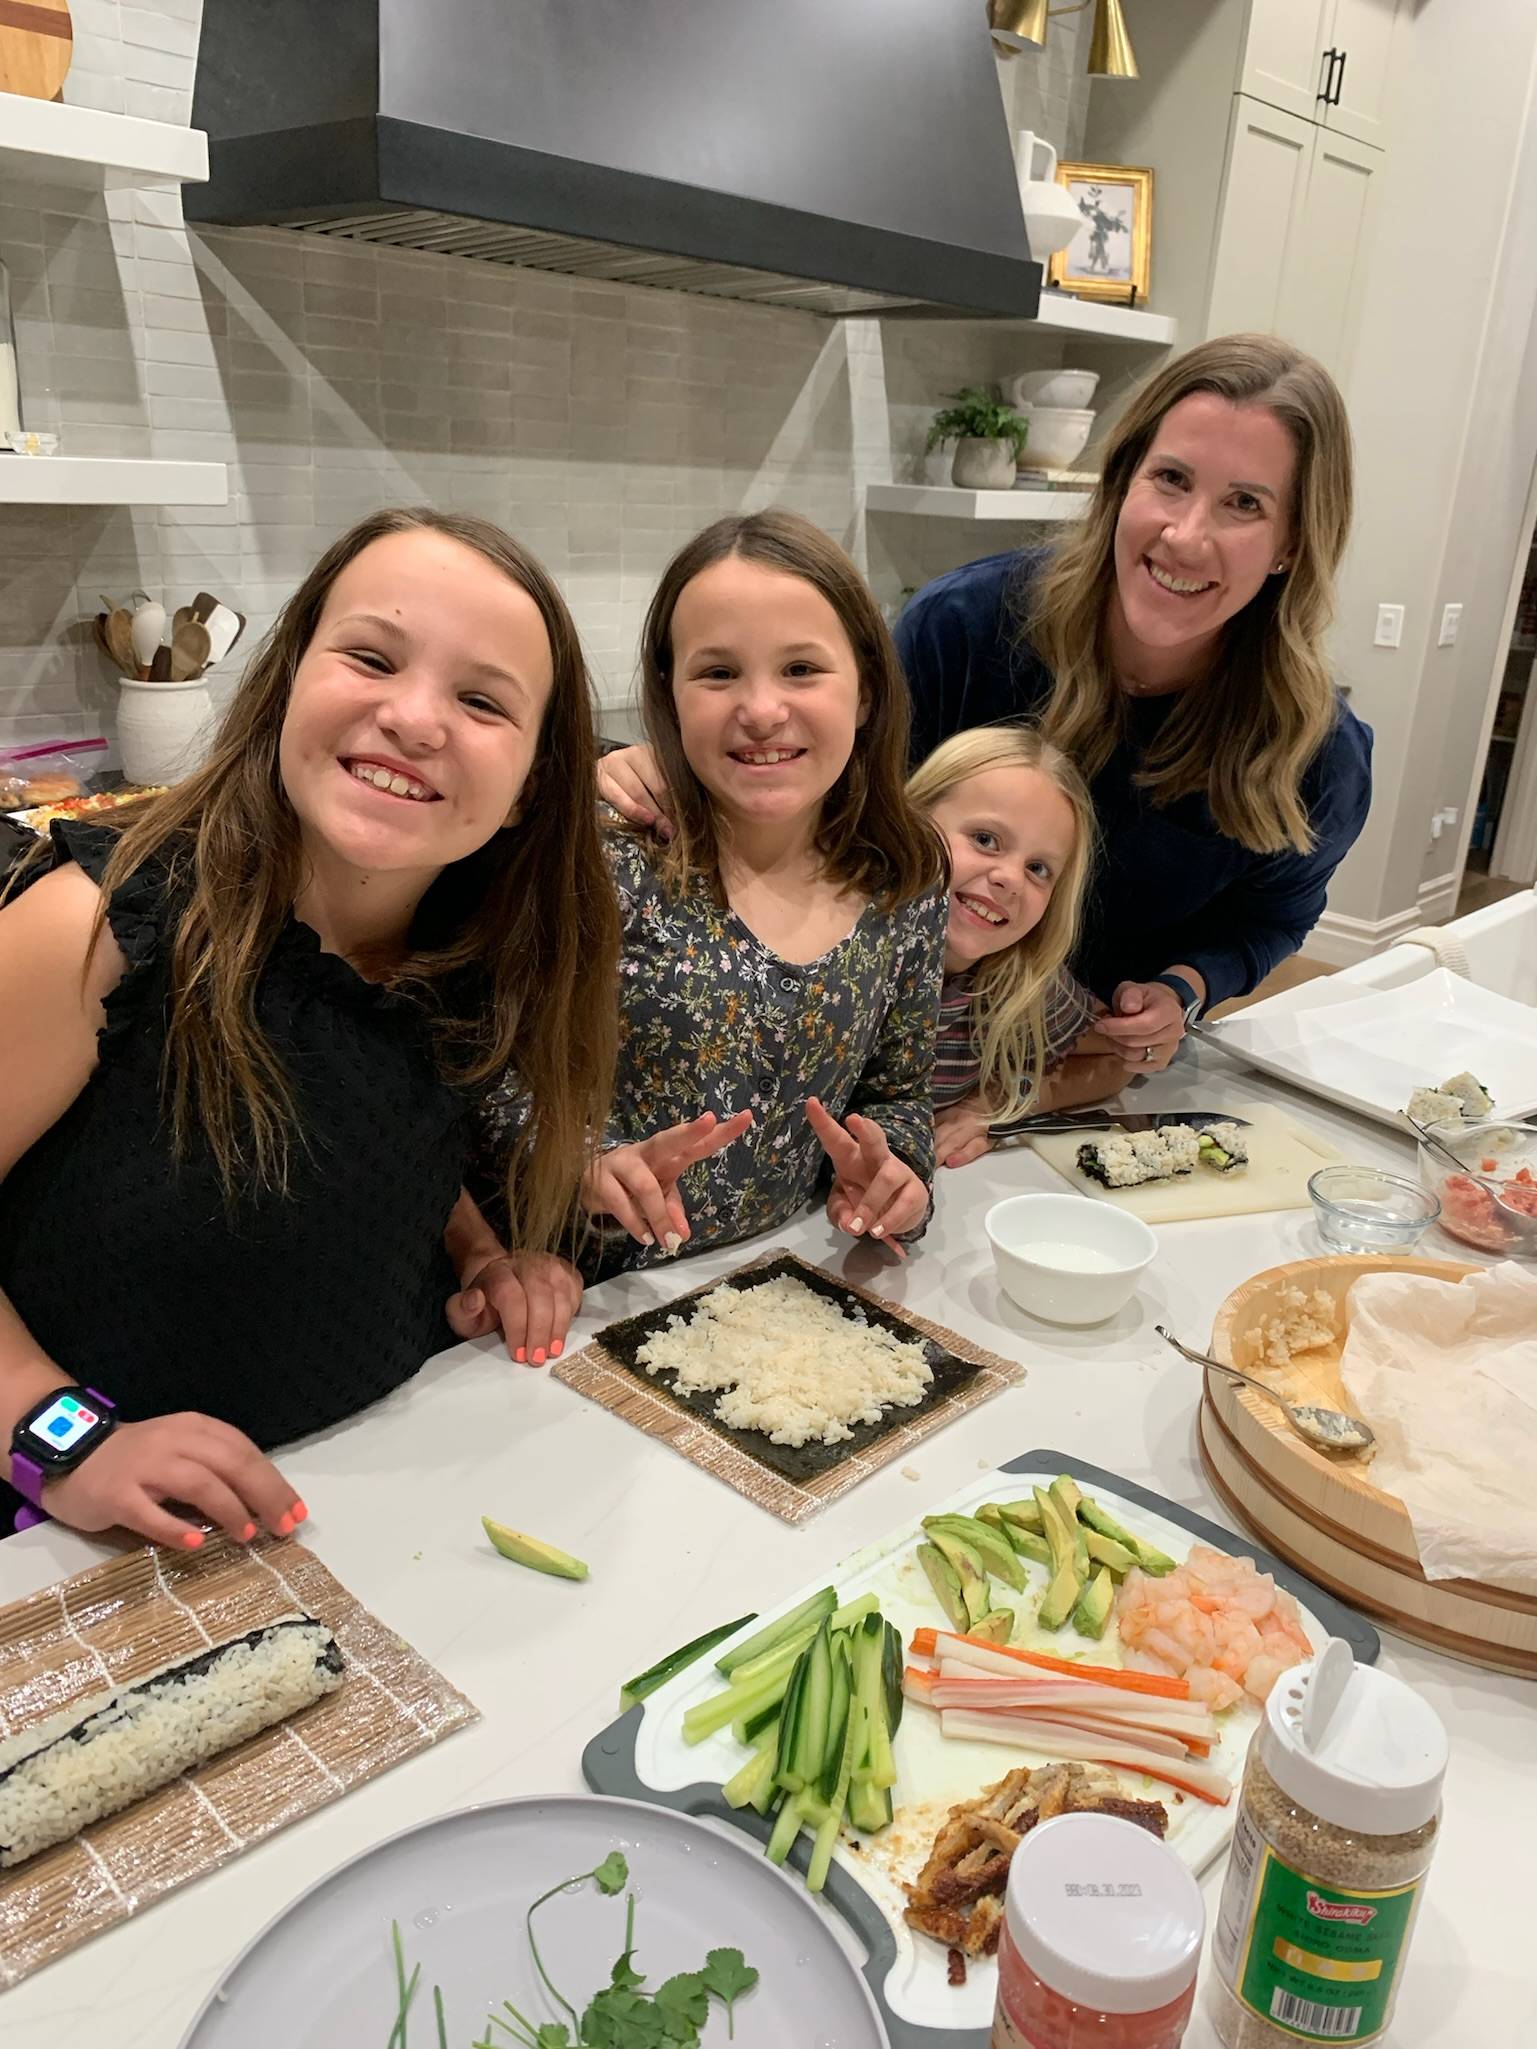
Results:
x,y
712,1019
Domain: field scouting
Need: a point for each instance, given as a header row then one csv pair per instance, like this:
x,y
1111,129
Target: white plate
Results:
x,y
322,1974
1373,1052
933,1771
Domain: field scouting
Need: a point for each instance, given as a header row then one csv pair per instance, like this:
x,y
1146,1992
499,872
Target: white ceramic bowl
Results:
x,y
1053,388
1068,1258
1056,437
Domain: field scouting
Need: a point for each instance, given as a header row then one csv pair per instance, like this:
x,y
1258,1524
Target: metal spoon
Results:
x,y
1329,1429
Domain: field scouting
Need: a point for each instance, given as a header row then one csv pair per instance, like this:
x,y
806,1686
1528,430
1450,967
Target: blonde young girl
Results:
x,y
1015,1028
241,1038
783,948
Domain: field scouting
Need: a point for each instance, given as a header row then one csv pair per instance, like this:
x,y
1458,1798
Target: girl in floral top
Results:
x,y
1015,1028
783,948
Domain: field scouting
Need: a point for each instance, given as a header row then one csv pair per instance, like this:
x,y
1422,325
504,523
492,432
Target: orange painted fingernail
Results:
x,y
557,1348
539,1356
521,1355
285,1526
248,1533
193,1540
299,1512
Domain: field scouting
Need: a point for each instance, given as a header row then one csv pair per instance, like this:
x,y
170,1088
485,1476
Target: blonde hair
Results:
x,y
869,835
529,919
1245,737
1010,987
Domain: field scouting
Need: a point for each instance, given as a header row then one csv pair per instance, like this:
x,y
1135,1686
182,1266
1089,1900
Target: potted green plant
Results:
x,y
988,437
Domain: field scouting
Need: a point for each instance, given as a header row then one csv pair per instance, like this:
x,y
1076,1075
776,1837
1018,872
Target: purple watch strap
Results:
x,y
29,1478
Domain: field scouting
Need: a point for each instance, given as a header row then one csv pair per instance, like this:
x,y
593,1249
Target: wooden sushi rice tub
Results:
x,y
1322,1512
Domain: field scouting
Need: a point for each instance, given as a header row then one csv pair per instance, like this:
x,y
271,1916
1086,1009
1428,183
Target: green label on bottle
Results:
x,y
1321,1962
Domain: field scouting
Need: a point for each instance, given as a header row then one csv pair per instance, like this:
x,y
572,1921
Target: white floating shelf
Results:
x,y
1097,320
105,480
944,501
44,139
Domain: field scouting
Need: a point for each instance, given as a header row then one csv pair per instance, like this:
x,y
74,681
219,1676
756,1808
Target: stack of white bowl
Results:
x,y
1056,405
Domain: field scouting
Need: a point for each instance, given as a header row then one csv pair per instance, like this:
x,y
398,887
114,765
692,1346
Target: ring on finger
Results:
x,y
1149,1055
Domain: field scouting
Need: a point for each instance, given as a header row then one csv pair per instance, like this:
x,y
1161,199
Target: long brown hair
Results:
x,y
1009,988
530,917
869,835
1246,735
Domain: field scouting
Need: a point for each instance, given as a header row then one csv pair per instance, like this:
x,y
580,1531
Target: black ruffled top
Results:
x,y
280,1314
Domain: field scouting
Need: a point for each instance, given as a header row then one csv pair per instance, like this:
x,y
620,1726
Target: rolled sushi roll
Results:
x,y
1224,1148
102,1754
1126,1160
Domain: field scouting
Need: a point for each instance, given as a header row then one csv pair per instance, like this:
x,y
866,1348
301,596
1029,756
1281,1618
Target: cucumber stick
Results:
x,y
647,1682
773,1634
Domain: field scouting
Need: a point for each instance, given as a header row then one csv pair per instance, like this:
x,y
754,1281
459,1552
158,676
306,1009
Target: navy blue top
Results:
x,y
1169,885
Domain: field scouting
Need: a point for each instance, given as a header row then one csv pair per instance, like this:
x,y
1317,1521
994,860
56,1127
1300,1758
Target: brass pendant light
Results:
x,y
1021,25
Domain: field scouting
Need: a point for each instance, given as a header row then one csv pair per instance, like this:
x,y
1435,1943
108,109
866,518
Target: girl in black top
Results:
x,y
241,1037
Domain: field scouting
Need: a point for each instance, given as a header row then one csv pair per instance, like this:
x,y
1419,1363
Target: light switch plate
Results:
x,y
1390,626
1451,619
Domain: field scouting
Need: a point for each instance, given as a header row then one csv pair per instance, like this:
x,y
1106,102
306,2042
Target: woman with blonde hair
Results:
x,y
1015,1027
1172,646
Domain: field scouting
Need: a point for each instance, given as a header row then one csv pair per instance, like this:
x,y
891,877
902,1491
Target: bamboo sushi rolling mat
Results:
x,y
793,1483
116,1623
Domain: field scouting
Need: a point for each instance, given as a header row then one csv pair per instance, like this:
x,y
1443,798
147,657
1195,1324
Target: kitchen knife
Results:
x,y
1107,1119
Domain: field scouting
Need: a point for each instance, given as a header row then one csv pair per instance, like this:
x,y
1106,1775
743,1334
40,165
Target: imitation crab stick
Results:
x,y
937,1643
1061,1739
1177,1724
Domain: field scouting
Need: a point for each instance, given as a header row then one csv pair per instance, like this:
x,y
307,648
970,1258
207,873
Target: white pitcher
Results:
x,y
1051,218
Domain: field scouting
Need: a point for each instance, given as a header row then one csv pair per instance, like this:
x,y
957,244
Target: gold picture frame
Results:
x,y
1109,257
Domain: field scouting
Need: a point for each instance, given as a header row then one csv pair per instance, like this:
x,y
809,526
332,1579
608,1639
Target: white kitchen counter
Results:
x,y
396,1498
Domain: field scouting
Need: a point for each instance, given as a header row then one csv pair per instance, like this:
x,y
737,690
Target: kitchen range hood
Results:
x,y
841,156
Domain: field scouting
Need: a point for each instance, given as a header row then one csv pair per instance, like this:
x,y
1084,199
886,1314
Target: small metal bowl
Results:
x,y
1361,1209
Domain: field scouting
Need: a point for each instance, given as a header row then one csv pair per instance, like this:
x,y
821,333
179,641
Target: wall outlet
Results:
x,y
1390,626
1451,619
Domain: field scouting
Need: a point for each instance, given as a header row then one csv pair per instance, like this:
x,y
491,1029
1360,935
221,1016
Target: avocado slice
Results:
x,y
1060,1597
1154,1563
990,1545
1067,1495
1065,1488
996,1627
1106,1551
970,1570
533,1551
1058,1529
991,1514
1094,1604
1028,1544
946,1582
1026,1514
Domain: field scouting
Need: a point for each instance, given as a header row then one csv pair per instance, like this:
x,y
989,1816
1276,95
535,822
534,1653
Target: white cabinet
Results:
x,y
1293,233
1327,60
1283,54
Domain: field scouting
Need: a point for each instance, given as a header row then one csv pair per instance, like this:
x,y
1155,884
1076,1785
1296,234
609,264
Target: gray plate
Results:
x,y
608,1763
321,1975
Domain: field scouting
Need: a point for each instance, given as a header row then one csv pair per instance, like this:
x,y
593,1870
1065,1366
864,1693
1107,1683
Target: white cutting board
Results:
x,y
1282,1154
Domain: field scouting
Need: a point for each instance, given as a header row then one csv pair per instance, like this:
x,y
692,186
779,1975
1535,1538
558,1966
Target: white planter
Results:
x,y
164,730
983,465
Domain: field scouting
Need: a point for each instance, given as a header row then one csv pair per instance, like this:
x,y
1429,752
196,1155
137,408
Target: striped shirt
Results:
x,y
957,1056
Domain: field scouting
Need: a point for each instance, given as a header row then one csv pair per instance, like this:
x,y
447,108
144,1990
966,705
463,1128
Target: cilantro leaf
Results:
x,y
612,1874
620,2019
624,1976
554,2035
728,1975
685,1997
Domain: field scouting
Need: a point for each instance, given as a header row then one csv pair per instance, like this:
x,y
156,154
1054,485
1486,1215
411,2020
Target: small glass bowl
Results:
x,y
1493,1205
1361,1209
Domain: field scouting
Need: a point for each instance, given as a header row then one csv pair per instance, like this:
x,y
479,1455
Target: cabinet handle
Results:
x,y
1328,77
1339,79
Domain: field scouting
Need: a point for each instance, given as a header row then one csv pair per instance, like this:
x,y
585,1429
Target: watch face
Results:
x,y
62,1430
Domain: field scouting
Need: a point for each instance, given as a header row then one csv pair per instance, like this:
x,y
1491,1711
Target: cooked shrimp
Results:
x,y
1216,1621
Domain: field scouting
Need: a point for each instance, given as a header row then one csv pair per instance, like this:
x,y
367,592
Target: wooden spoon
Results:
x,y
189,651
119,632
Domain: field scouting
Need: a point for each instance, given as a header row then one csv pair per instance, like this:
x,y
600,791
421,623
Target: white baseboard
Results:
x,y
1342,940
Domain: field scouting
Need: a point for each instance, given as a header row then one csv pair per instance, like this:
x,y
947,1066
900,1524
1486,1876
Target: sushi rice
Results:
x,y
101,1754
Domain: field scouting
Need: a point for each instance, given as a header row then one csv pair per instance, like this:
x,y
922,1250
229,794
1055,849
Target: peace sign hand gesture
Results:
x,y
637,1185
873,1192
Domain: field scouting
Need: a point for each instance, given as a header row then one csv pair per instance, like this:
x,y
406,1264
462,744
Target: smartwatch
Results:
x,y
1189,1002
54,1436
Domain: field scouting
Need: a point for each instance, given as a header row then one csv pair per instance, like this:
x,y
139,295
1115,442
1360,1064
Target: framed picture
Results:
x,y
1108,257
